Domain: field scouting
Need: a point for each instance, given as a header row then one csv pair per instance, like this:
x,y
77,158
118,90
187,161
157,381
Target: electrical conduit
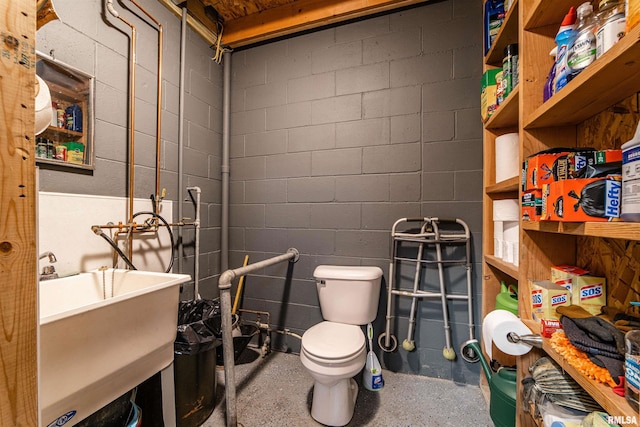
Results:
x,y
183,39
226,109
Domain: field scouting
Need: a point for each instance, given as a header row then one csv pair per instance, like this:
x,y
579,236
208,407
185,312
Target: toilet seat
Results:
x,y
333,342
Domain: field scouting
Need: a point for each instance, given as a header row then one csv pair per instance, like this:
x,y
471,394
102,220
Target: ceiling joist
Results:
x,y
301,15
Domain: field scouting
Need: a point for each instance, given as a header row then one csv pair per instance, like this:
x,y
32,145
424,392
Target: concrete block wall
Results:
x,y
337,133
98,44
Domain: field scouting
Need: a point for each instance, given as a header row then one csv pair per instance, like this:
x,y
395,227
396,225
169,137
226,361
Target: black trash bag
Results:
x,y
198,326
592,199
600,171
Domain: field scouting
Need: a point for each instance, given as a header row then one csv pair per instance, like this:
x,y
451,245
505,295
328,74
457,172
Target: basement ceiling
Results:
x,y
246,22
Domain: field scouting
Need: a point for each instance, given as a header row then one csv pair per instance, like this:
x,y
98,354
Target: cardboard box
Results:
x,y
584,199
568,165
546,297
488,98
531,206
564,275
607,156
542,169
590,293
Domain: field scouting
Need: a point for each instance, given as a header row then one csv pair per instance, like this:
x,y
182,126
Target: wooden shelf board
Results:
x,y
593,90
612,403
507,186
614,230
507,113
505,267
507,35
546,13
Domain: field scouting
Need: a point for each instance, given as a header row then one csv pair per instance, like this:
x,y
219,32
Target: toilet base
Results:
x,y
333,405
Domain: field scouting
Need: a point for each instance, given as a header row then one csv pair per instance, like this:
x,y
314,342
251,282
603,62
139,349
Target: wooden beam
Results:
x,y
299,16
18,257
202,30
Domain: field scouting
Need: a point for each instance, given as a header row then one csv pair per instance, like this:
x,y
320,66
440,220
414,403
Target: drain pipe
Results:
x,y
183,54
196,223
226,109
224,286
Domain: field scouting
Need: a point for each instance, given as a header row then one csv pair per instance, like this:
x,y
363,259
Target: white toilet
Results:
x,y
334,351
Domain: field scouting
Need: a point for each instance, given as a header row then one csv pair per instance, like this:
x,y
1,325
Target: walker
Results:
x,y
432,233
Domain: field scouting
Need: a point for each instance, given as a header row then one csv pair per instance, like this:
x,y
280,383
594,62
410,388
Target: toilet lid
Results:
x,y
330,340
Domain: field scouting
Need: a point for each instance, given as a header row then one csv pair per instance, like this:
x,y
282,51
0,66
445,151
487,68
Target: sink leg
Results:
x,y
168,396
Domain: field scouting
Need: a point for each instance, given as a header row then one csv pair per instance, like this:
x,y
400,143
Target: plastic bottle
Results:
x,y
565,35
493,17
582,50
547,91
632,369
611,25
510,68
631,179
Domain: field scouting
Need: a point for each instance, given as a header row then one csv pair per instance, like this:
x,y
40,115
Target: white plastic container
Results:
x,y
631,179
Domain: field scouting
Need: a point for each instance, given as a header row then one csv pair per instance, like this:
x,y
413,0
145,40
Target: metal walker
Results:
x,y
432,234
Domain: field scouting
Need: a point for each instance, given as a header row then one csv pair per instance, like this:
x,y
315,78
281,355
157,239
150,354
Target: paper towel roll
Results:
x,y
495,327
507,157
506,210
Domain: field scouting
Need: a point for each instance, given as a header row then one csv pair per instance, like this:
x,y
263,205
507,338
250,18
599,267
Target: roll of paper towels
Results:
x,y
495,328
506,210
511,240
507,157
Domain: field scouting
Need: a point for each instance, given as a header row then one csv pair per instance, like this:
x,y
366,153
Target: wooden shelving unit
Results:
x,y
599,108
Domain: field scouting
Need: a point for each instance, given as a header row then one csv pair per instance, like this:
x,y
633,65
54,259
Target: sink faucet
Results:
x,y
48,271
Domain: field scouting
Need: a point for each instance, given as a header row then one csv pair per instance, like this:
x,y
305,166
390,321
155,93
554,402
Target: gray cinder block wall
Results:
x,y
338,133
335,135
98,44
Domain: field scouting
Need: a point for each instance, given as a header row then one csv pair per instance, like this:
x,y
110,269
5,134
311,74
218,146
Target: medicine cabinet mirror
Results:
x,y
67,140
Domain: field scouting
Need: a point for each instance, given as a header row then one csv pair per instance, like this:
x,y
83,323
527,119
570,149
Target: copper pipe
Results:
x,y
132,116
159,104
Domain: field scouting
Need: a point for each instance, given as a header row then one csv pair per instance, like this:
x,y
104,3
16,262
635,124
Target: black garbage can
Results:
x,y
194,364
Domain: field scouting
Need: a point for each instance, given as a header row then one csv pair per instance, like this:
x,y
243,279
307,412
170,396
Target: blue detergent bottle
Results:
x,y
564,38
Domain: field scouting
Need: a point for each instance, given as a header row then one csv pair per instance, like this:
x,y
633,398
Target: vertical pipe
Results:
x,y
196,273
226,109
183,38
157,196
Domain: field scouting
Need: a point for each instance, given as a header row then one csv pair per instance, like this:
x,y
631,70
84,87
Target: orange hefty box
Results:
x,y
541,169
584,199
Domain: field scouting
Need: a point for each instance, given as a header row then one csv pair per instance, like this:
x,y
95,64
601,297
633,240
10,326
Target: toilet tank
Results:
x,y
348,294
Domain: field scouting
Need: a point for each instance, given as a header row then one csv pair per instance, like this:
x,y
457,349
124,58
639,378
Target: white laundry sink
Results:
x,y
101,334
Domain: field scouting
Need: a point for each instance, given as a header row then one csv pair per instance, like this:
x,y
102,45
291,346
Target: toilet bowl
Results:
x,y
333,353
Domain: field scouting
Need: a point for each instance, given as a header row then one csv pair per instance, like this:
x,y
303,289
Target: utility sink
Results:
x,y
101,334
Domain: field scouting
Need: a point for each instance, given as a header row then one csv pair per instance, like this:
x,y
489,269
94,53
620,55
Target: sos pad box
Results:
x,y
546,297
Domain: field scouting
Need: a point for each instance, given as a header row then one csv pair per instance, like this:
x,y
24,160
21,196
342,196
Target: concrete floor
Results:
x,y
277,391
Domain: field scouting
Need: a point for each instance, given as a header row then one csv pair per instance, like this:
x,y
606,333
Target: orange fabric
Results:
x,y
579,359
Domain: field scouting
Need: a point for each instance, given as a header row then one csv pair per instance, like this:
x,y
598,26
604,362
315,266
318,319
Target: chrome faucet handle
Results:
x,y
48,254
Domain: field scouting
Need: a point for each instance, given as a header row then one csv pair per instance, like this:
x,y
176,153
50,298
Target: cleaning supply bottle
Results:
x,y
372,373
611,24
630,210
582,49
565,35
547,91
493,17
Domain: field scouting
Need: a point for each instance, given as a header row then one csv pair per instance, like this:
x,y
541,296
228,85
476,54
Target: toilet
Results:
x,y
334,351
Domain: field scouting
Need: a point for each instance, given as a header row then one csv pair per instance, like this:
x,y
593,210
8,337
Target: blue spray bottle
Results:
x,y
564,38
